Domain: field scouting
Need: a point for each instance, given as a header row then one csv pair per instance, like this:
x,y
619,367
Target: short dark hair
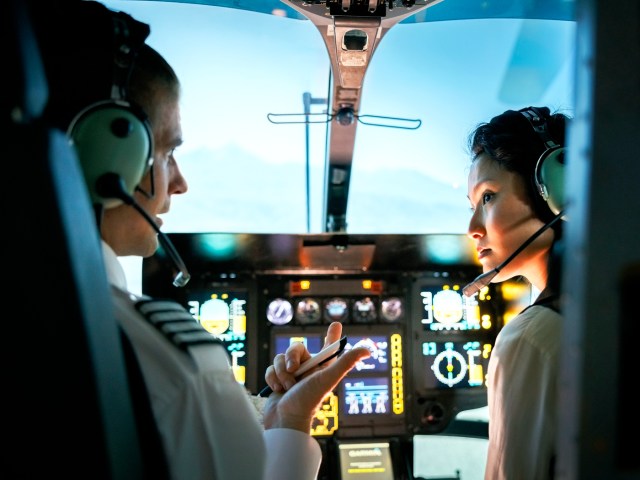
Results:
x,y
151,75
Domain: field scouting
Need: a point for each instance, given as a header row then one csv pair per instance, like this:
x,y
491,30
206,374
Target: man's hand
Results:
x,y
293,403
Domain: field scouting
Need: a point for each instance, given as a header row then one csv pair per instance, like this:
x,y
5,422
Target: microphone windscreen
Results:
x,y
479,283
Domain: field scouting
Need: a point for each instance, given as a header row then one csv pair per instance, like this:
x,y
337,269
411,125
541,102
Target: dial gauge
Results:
x,y
308,311
391,309
364,311
279,311
336,310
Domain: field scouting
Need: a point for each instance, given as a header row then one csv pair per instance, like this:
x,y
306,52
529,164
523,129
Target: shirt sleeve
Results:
x,y
522,389
291,455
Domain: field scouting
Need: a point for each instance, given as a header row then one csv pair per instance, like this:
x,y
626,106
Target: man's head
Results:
x,y
155,87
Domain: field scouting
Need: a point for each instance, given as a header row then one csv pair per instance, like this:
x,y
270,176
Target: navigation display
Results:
x,y
444,308
455,364
312,341
378,345
367,395
224,314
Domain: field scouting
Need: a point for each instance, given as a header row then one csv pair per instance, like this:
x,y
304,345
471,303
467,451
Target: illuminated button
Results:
x,y
308,311
336,310
364,311
391,309
279,311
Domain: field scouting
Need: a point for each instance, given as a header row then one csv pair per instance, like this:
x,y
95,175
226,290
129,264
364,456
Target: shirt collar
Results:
x,y
115,272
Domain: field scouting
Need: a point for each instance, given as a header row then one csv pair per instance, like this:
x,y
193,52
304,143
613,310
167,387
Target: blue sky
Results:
x,y
248,175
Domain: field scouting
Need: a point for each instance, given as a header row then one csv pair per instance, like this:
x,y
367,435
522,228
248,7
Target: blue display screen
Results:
x,y
378,345
313,342
365,396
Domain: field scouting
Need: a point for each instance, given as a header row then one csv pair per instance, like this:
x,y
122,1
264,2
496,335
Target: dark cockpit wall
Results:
x,y
67,409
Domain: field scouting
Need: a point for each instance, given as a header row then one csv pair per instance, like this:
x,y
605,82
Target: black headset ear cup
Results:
x,y
112,137
549,178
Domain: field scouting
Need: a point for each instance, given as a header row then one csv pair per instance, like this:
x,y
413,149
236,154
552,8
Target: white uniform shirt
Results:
x,y
207,423
522,387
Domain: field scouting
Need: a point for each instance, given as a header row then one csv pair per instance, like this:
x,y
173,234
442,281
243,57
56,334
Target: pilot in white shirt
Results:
x,y
209,427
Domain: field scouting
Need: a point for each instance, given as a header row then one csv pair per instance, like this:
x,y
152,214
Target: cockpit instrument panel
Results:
x,y
430,345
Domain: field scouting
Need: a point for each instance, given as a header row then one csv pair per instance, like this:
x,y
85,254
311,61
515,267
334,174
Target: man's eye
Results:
x,y
167,155
486,197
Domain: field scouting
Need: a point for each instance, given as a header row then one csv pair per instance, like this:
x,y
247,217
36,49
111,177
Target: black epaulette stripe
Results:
x,y
187,339
158,318
175,323
149,306
171,328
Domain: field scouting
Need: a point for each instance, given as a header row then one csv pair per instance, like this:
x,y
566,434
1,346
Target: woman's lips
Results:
x,y
483,253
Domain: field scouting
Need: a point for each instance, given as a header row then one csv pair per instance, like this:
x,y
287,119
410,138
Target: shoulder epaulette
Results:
x,y
175,323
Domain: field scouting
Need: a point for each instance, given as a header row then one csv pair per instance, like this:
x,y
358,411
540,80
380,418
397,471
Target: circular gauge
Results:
x,y
364,311
279,311
391,309
336,310
308,311
447,307
450,367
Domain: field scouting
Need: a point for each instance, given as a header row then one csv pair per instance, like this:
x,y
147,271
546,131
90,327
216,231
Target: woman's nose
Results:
x,y
475,230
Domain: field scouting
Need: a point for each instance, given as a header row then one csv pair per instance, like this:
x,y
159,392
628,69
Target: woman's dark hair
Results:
x,y
510,140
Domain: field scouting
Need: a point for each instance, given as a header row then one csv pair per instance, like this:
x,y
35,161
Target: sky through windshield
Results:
x,y
247,174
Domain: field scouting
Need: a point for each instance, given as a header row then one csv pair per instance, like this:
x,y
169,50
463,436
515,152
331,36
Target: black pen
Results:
x,y
324,355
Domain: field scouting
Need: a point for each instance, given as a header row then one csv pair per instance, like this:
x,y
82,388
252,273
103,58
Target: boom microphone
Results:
x,y
111,185
483,280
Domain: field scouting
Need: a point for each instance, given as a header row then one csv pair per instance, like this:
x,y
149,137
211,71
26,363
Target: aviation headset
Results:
x,y
549,171
114,135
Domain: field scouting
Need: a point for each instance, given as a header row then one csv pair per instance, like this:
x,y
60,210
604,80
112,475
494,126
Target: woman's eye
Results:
x,y
486,197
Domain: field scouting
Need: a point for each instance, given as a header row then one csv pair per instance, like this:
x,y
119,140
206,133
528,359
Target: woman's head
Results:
x,y
510,140
507,209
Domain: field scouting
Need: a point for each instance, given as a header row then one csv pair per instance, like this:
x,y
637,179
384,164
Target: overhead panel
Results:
x,y
352,30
